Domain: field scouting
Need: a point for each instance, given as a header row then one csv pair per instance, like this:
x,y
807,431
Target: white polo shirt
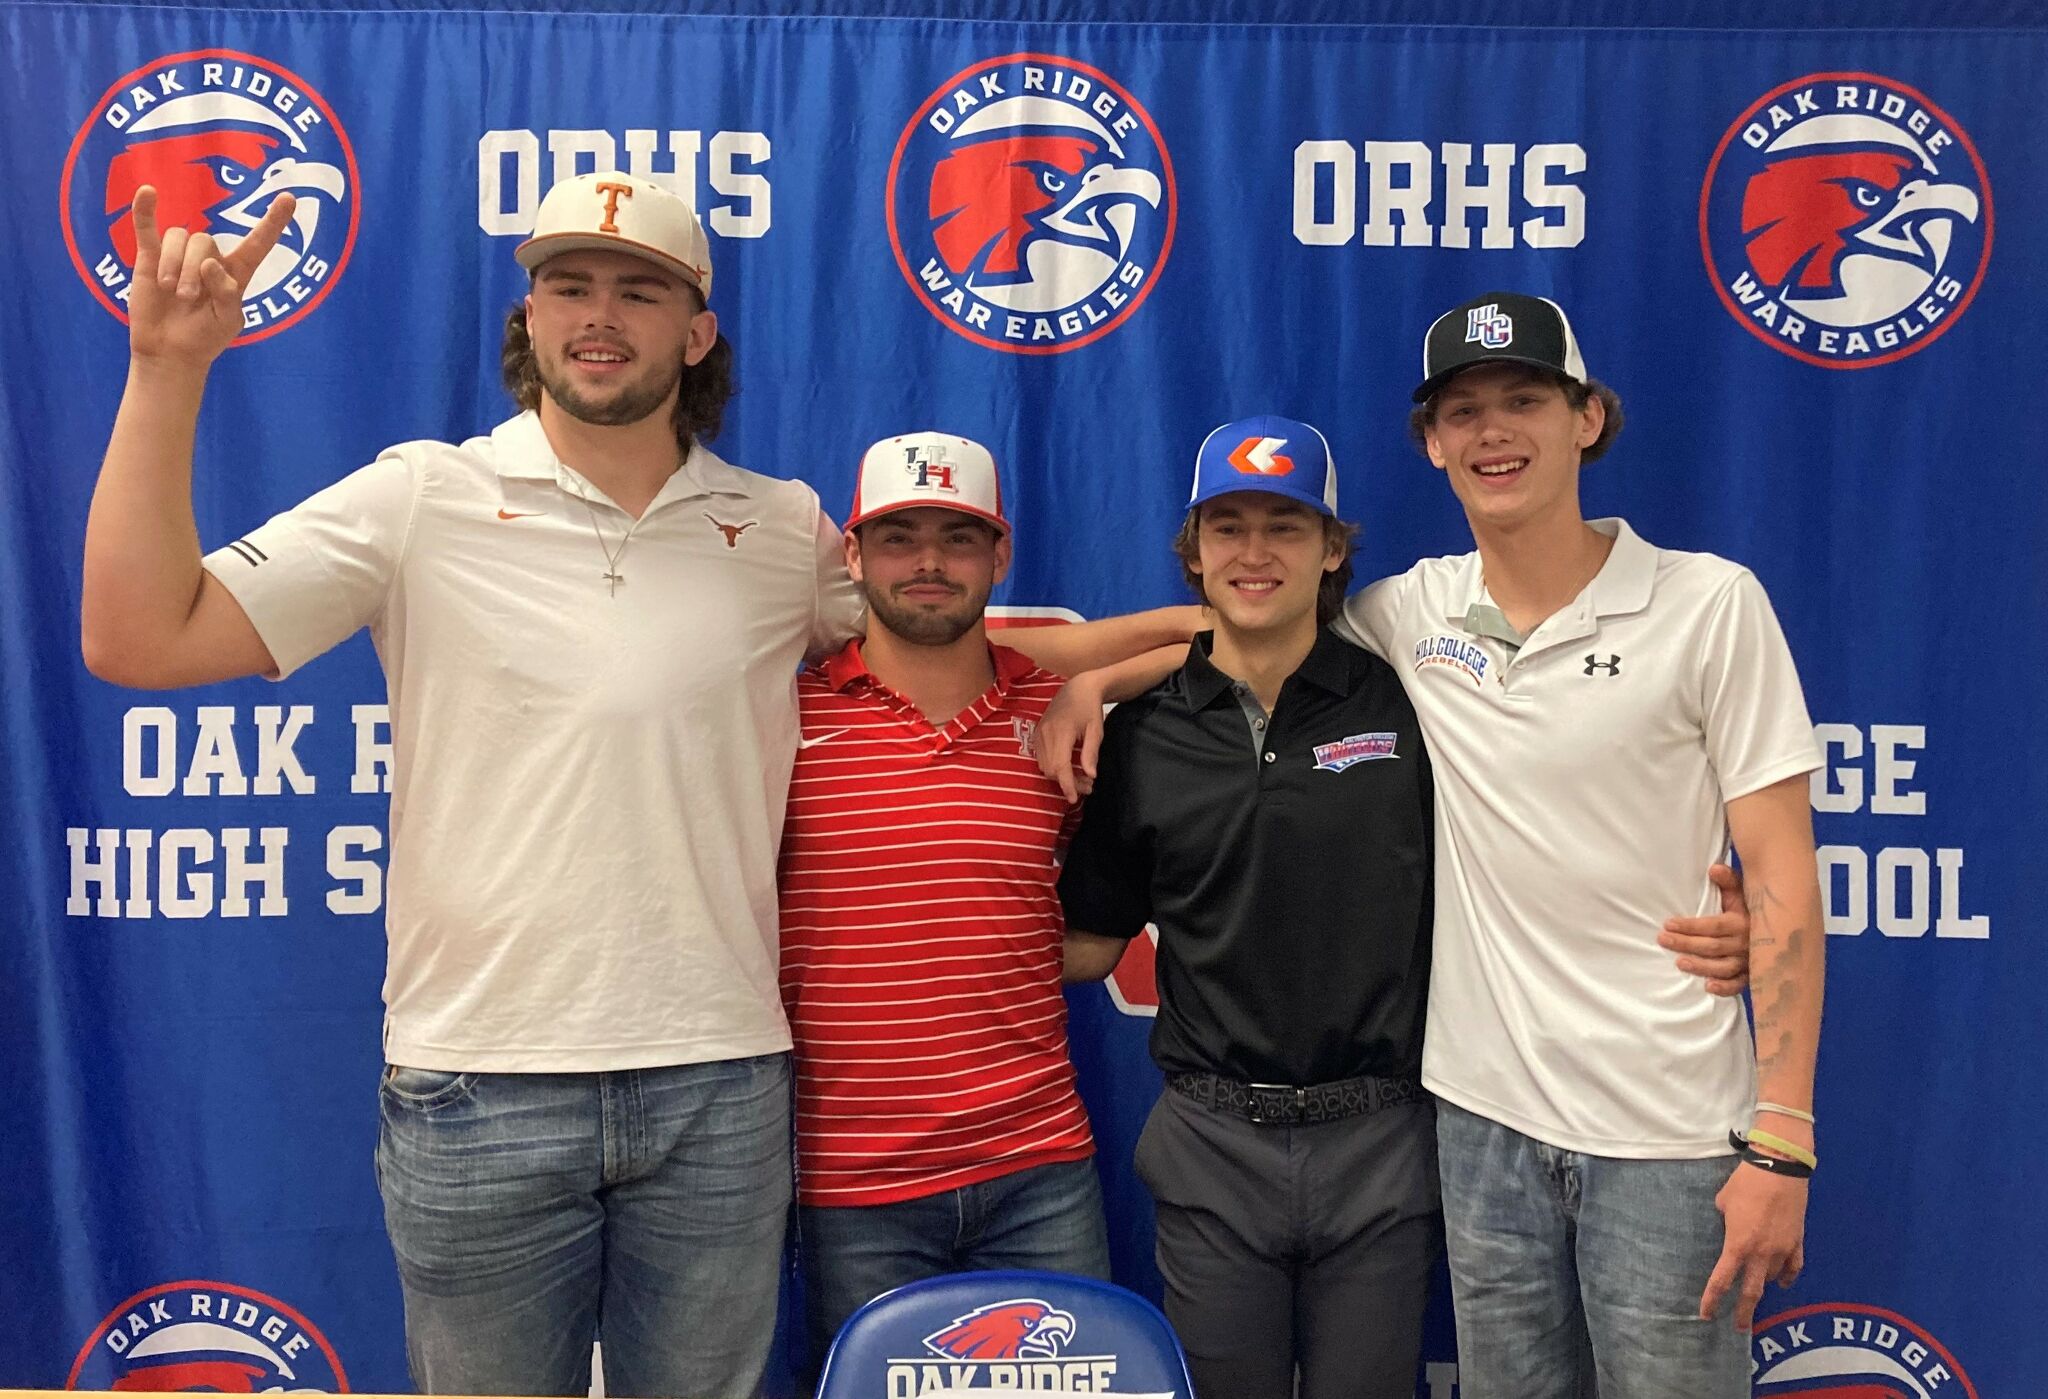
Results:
x,y
587,789
1582,782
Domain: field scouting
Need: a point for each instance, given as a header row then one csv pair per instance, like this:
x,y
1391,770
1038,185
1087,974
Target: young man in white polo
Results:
x,y
585,1120
590,626
1622,1173
938,1125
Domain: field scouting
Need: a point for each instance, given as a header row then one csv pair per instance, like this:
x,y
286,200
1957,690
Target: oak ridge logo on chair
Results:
x,y
1000,1334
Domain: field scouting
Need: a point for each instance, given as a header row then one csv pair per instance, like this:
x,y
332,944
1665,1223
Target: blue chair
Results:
x,y
1006,1331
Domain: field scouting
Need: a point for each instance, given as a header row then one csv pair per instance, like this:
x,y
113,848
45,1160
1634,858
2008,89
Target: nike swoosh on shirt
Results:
x,y
814,742
519,514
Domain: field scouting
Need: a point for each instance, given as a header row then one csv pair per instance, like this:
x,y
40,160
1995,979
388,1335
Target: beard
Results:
x,y
628,403
922,625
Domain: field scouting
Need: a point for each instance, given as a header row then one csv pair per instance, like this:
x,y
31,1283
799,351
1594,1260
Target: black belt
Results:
x,y
1284,1104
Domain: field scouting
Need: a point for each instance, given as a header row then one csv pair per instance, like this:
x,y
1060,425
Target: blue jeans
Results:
x,y
532,1213
1569,1269
1044,1217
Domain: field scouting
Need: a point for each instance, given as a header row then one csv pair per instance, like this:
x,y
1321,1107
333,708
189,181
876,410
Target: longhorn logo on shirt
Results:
x,y
220,135
1846,220
211,1336
731,532
1021,1329
1031,203
1842,1350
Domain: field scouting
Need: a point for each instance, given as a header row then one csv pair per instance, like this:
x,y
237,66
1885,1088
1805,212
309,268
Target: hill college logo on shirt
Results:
x,y
1031,203
220,135
1846,220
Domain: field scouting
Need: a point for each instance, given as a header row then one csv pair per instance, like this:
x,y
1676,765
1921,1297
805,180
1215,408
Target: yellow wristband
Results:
x,y
1783,1148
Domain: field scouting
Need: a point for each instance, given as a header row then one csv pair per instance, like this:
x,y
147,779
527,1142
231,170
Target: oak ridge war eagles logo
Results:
x,y
1012,1330
210,1336
220,134
1846,220
1031,203
1842,1350
1019,1344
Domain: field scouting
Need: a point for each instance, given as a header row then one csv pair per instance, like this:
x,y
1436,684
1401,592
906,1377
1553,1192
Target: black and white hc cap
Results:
x,y
1499,327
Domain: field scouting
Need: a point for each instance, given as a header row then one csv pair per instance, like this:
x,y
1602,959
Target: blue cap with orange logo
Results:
x,y
1267,453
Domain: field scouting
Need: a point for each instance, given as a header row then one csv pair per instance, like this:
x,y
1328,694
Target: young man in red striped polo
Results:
x,y
938,1125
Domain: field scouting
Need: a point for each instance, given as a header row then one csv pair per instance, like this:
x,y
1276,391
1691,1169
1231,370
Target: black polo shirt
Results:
x,y
1288,870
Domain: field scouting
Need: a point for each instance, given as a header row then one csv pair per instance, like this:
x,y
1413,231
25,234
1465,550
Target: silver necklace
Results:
x,y
612,556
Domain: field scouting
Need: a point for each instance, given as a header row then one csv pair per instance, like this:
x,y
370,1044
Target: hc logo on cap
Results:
x,y
1505,326
1268,453
1486,325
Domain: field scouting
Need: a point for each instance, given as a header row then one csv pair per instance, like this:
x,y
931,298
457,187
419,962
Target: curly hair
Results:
x,y
1187,547
1422,417
700,405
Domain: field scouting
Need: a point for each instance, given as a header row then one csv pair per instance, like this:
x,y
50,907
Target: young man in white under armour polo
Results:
x,y
1605,715
590,626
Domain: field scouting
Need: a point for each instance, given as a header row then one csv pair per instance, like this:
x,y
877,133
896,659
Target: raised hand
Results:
x,y
186,300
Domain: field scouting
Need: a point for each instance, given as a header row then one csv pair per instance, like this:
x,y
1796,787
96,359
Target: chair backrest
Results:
x,y
1005,1332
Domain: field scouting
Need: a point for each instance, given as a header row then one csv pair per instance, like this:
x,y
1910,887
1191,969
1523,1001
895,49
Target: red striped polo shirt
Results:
x,y
921,940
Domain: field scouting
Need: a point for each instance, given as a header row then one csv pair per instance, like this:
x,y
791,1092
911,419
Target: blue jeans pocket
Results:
x,y
424,1090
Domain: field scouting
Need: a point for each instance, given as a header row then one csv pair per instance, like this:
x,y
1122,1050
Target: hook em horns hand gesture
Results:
x,y
186,301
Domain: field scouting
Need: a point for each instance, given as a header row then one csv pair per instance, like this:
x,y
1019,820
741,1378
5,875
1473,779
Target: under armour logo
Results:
x,y
1487,326
733,532
1612,665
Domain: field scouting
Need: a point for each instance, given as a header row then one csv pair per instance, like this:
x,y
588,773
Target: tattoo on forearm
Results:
x,y
1777,993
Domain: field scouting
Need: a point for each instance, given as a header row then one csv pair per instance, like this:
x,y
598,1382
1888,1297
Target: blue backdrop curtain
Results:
x,y
1801,242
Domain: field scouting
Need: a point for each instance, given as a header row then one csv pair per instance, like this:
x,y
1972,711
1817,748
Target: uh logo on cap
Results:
x,y
930,467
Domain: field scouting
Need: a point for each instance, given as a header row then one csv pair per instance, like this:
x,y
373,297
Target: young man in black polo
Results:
x,y
1269,808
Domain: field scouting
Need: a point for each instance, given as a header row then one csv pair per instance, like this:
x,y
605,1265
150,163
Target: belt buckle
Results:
x,y
1257,1094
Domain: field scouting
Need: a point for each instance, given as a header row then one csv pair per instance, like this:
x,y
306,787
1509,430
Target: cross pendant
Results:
x,y
614,579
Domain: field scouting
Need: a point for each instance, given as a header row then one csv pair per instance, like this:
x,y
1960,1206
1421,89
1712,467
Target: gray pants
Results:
x,y
1305,1246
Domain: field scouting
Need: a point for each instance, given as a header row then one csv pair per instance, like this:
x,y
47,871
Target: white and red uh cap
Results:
x,y
928,468
614,212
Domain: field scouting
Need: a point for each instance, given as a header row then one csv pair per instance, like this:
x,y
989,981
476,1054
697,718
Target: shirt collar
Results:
x,y
845,666
1624,582
1326,666
1621,586
521,452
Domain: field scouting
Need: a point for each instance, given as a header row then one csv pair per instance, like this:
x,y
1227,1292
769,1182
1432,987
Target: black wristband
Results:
x,y
1776,1165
